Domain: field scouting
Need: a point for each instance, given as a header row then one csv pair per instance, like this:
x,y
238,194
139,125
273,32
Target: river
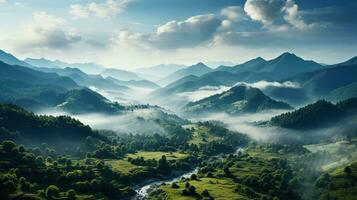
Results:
x,y
143,191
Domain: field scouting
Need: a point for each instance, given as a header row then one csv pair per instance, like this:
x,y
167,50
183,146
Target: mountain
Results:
x,y
196,70
12,60
317,115
239,99
192,83
26,128
282,67
247,66
39,90
86,80
87,101
319,83
119,74
342,93
258,69
91,68
352,61
33,77
133,83
158,71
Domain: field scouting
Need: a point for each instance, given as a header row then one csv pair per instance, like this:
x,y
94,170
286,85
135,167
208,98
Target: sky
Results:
x,y
132,34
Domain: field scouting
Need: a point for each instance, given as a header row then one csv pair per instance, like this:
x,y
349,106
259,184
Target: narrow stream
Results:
x,y
143,191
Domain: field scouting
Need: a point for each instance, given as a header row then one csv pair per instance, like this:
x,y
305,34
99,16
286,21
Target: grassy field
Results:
x,y
219,188
344,187
201,135
341,153
156,155
122,166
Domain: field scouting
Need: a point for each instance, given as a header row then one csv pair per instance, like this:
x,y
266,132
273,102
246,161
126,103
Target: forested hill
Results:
x,y
27,128
318,115
239,99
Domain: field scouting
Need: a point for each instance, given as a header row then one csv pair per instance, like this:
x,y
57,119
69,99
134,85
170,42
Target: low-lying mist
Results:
x,y
255,126
135,122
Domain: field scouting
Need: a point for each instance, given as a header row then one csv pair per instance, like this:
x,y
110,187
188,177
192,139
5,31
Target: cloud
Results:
x,y
265,84
269,12
203,92
293,17
234,13
280,18
175,34
101,10
48,31
265,11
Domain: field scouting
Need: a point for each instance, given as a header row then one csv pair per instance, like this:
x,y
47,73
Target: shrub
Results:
x,y
205,193
193,177
174,185
192,190
184,192
52,191
71,194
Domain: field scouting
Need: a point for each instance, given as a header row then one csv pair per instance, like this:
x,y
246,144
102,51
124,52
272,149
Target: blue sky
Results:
x,y
137,33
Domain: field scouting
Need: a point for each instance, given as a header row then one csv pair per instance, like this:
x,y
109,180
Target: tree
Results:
x,y
205,193
163,165
193,177
348,170
184,192
71,194
174,185
192,190
8,145
187,185
52,191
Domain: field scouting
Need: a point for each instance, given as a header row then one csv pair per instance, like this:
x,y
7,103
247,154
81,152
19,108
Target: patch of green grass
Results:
x,y
156,155
341,153
201,135
342,185
218,188
122,166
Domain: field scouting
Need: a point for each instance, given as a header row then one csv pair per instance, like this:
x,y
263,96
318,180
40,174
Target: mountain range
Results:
x,y
258,69
196,70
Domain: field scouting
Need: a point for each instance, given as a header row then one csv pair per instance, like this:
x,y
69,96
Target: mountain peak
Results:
x,y
199,64
287,55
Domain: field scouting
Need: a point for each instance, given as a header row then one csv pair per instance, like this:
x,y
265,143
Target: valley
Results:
x,y
66,134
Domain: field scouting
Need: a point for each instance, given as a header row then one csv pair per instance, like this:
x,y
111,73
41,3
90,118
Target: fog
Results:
x,y
135,122
135,95
265,84
247,123
207,91
203,92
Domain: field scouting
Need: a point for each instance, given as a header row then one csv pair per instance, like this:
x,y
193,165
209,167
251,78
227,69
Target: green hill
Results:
x,y
27,128
87,101
239,99
317,115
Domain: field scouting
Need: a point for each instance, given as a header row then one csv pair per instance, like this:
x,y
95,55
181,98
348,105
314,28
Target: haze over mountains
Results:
x,y
286,78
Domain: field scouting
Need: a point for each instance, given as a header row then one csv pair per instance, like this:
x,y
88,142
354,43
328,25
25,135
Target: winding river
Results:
x,y
145,189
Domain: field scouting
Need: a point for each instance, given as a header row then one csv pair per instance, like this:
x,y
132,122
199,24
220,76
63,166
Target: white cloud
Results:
x,y
234,13
203,92
3,1
175,34
48,32
265,11
106,9
293,17
266,84
270,11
